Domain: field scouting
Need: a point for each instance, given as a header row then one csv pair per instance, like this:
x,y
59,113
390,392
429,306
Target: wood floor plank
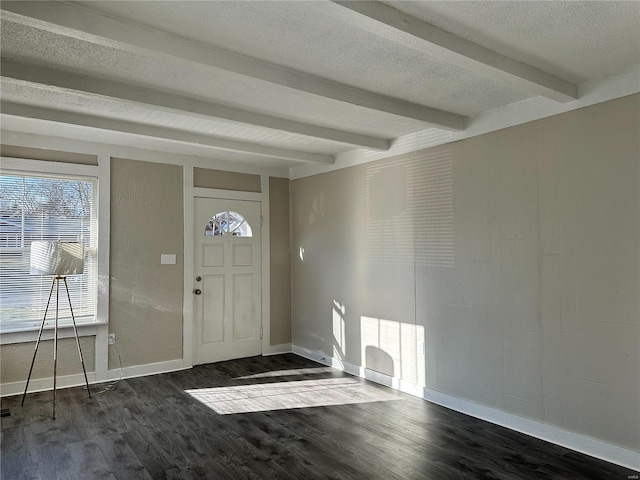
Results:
x,y
106,454
296,420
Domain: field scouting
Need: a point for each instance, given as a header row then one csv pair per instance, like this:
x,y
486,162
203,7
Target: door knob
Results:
x,y
197,291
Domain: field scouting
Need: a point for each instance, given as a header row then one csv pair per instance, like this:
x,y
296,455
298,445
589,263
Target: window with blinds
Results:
x,y
45,208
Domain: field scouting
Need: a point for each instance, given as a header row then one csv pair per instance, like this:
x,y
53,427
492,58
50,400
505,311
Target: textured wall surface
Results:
x,y
503,269
146,297
16,359
280,262
51,155
210,178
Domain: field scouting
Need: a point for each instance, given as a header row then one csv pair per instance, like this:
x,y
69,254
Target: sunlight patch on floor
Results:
x,y
286,395
287,373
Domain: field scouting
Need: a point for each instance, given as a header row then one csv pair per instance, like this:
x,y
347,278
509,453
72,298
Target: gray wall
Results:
x,y
16,359
280,263
503,269
145,305
14,151
210,178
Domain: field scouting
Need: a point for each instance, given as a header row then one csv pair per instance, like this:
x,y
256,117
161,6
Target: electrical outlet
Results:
x,y
111,339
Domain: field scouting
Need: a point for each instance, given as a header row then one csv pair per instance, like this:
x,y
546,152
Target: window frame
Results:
x,y
23,333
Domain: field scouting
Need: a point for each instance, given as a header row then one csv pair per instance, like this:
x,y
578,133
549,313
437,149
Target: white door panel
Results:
x,y
227,311
213,296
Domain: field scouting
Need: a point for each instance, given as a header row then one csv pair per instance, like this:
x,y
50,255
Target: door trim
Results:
x,y
189,194
266,266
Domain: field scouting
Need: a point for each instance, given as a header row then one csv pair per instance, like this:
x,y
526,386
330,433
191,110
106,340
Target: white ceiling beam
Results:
x,y
90,26
417,34
72,118
58,80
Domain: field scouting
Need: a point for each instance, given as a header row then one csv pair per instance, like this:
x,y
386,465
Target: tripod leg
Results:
x,y
38,342
55,347
75,330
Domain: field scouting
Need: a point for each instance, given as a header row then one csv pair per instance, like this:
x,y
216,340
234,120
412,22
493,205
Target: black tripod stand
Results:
x,y
56,282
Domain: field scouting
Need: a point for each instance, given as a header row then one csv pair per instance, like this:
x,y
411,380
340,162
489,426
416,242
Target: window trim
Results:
x,y
101,174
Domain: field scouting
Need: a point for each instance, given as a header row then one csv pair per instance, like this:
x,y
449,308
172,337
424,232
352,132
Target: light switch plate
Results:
x,y
167,259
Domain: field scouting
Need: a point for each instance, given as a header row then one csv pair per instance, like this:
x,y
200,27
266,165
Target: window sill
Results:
x,y
30,334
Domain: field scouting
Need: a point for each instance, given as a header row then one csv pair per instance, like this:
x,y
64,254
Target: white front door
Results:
x,y
227,282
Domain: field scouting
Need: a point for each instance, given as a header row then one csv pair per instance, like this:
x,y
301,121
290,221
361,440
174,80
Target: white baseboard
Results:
x,y
147,369
574,441
43,384
276,349
67,381
580,443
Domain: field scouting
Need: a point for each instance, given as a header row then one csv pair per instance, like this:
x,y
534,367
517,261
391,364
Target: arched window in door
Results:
x,y
228,223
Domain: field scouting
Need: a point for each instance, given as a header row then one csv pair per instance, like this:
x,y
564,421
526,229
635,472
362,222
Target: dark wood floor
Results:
x,y
168,426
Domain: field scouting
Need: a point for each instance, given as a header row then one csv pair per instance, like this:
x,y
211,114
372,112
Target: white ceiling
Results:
x,y
286,83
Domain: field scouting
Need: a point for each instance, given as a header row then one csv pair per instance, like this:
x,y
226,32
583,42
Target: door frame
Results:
x,y
190,193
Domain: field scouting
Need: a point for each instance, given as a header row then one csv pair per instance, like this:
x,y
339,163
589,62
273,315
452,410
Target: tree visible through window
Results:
x,y
228,223
44,208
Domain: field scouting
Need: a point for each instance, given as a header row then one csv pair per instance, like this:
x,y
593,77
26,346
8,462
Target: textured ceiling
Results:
x,y
320,67
577,40
307,36
43,48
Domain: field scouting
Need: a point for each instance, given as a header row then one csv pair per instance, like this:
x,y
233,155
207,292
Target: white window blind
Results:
x,y
36,207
